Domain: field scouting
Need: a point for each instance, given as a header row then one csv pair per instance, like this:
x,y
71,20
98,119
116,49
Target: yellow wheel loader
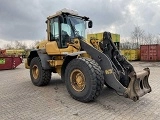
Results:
x,y
84,66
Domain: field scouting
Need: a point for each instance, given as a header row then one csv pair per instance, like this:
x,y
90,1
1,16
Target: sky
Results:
x,y
24,20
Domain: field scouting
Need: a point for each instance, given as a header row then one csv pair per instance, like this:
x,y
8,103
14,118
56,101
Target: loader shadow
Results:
x,y
112,96
56,84
109,93
109,100
56,81
108,97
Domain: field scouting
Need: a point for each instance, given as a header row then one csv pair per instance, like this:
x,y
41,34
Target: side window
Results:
x,y
54,29
65,34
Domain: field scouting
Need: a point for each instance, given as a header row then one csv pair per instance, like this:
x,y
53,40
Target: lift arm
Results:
x,y
118,72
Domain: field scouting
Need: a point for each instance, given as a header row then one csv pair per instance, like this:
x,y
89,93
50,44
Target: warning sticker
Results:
x,y
2,61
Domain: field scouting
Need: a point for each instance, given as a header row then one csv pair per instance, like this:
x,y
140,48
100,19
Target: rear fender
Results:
x,y
43,57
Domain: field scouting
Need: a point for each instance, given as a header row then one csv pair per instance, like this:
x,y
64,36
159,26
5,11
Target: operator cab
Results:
x,y
65,26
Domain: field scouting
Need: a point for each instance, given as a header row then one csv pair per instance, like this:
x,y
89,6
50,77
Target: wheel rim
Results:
x,y
35,71
77,80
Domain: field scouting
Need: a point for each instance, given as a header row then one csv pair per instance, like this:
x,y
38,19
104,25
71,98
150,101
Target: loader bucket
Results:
x,y
138,85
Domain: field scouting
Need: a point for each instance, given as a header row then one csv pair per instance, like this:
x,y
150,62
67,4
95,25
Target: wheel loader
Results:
x,y
85,67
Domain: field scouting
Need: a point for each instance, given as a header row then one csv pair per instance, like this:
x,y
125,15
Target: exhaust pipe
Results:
x,y
138,85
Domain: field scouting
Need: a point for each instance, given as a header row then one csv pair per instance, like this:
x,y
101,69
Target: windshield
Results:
x,y
75,27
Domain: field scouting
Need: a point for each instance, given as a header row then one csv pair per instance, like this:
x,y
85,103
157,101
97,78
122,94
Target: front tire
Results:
x,y
39,76
84,79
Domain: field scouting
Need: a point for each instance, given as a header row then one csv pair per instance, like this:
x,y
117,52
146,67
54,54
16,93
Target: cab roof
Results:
x,y
66,11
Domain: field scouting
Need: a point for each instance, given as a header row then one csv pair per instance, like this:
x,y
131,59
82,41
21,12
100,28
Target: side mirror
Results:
x,y
90,24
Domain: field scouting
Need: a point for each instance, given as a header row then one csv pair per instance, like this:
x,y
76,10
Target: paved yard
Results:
x,y
21,100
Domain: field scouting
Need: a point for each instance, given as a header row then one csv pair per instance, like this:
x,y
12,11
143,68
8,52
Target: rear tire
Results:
x,y
39,76
84,79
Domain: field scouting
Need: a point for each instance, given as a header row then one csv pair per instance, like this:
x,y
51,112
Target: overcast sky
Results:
x,y
25,19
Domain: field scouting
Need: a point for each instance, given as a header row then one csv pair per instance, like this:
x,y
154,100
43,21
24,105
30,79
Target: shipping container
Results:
x,y
126,53
99,37
154,52
150,52
131,54
135,54
144,53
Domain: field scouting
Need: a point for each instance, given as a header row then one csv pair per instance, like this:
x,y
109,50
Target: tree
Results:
x,y
34,44
19,45
157,39
9,45
138,35
150,38
16,45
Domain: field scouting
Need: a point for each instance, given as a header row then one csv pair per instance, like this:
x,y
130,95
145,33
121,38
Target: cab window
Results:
x,y
54,30
65,34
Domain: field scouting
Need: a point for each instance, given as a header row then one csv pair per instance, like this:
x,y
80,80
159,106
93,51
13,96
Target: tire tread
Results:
x,y
97,80
46,74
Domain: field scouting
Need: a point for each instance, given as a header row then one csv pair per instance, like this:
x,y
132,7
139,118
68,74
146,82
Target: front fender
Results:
x,y
68,58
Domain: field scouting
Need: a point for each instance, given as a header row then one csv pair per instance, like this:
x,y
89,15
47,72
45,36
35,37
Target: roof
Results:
x,y
65,10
